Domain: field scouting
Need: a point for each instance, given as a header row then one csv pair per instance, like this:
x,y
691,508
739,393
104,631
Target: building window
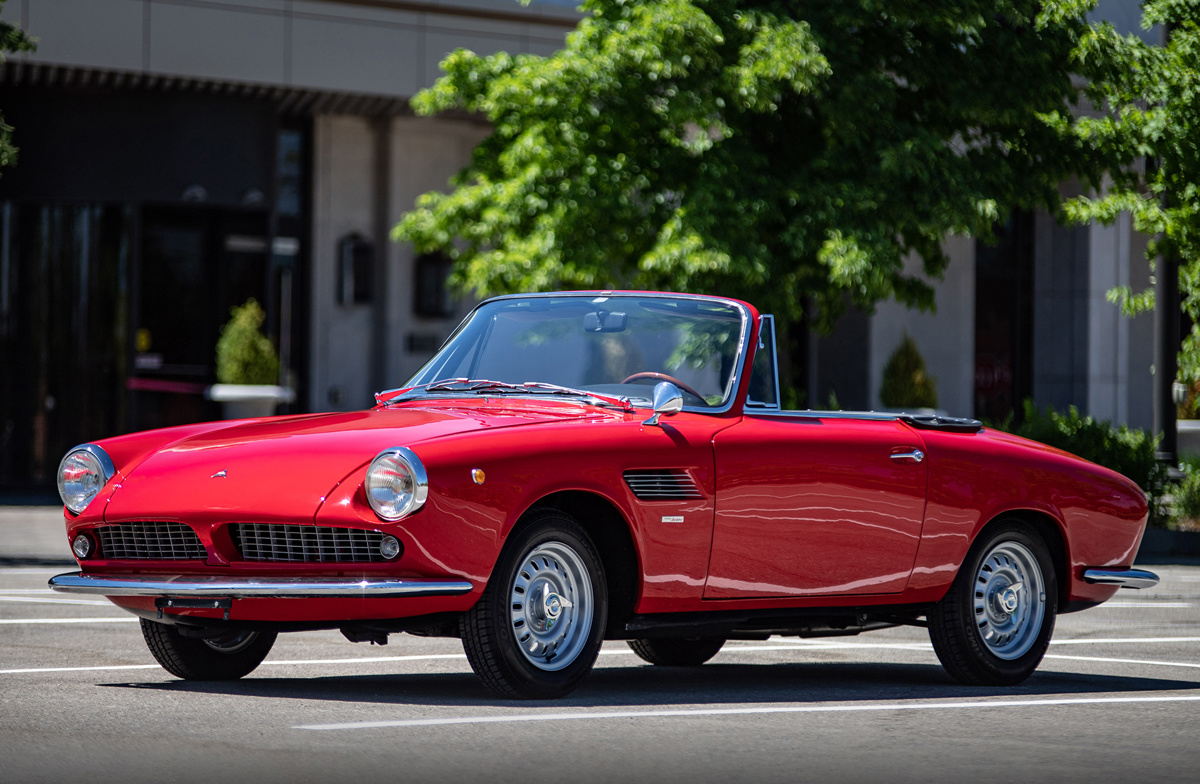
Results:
x,y
432,292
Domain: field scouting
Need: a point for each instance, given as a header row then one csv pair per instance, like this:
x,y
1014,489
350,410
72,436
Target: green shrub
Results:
x,y
1124,450
244,354
1186,496
905,382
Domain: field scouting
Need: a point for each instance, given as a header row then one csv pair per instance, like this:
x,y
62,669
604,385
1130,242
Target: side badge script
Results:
x,y
219,475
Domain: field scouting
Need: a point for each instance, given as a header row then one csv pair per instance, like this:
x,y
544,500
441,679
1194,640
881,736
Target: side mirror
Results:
x,y
667,400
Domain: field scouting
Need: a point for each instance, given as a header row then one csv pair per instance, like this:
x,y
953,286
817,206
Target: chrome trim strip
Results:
x,y
96,451
254,587
106,465
1126,578
874,416
420,481
766,325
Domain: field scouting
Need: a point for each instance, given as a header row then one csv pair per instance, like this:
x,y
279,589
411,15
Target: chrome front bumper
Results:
x,y
254,587
1126,578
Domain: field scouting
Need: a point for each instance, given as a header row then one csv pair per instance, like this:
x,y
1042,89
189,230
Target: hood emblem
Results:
x,y
219,475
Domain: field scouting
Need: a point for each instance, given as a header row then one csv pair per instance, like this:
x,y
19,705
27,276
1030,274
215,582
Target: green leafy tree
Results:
x,y
791,153
906,383
1149,139
12,40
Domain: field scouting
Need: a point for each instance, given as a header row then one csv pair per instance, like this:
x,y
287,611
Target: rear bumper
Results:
x,y
1125,578
160,585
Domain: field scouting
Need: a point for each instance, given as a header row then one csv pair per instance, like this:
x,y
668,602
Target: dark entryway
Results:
x,y
195,264
131,225
1004,320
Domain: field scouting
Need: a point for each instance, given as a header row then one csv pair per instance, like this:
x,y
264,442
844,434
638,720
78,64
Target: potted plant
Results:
x,y
247,367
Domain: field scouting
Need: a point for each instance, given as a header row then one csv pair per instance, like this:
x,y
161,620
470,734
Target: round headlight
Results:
x,y
396,483
82,474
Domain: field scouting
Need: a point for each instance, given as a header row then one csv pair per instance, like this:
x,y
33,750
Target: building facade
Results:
x,y
178,157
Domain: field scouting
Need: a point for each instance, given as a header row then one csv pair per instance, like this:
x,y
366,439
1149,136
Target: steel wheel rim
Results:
x,y
232,643
551,606
1009,600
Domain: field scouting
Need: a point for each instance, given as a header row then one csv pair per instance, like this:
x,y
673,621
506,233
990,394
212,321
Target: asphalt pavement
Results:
x,y
1116,699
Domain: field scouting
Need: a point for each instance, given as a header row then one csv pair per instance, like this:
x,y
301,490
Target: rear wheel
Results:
x,y
994,624
678,651
224,658
536,631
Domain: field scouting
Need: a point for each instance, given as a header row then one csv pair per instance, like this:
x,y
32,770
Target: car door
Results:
x,y
814,504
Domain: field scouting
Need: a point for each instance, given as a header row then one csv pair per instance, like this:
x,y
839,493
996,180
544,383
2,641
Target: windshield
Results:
x,y
610,345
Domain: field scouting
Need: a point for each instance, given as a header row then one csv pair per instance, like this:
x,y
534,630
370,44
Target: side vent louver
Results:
x,y
662,485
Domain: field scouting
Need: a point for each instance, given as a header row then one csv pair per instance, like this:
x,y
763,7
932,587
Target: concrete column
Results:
x,y
945,338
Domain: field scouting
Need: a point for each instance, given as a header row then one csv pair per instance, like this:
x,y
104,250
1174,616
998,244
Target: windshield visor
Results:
x,y
611,345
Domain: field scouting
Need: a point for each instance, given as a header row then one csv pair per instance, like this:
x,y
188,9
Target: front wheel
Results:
x,y
994,625
222,658
536,631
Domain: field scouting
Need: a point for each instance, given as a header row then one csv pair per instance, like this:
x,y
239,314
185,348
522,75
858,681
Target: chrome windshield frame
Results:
x,y
739,359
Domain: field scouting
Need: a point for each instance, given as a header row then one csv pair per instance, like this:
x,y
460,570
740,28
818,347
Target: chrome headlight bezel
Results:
x,y
389,502
78,492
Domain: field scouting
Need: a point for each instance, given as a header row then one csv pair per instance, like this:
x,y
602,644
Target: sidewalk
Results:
x,y
34,536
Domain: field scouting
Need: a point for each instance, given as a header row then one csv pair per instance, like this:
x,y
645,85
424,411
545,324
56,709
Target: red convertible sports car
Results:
x,y
583,466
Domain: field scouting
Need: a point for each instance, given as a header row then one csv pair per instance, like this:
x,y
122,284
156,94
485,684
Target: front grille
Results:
x,y
664,485
313,543
152,541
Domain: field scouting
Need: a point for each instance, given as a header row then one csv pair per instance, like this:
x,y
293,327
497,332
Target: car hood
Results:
x,y
281,469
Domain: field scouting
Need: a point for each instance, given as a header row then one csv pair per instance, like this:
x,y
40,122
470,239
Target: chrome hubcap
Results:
x,y
550,606
1009,600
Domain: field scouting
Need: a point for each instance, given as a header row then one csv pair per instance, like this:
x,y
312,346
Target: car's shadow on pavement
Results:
x,y
642,686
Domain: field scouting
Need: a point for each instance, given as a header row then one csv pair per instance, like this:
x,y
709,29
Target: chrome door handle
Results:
x,y
915,455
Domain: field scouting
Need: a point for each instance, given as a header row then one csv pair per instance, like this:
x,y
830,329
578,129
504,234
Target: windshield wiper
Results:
x,y
554,389
444,385
468,385
485,385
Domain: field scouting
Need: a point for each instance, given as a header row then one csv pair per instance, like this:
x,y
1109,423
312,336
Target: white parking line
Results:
x,y
1119,640
1123,661
615,651
693,713
415,657
809,645
1170,605
82,669
40,600
285,662
799,645
18,621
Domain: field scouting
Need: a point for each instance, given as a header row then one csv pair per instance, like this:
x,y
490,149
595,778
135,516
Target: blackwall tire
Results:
x,y
218,659
536,631
677,651
994,625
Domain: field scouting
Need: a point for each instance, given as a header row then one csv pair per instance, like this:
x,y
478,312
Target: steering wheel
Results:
x,y
664,377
